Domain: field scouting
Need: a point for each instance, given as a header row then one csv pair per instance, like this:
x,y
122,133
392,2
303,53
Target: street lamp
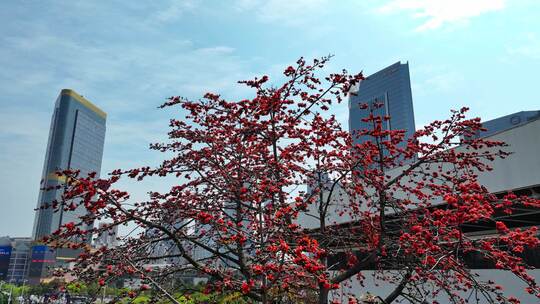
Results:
x,y
22,290
10,291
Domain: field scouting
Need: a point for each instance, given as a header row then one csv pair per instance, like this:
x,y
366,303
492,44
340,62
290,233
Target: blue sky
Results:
x,y
127,56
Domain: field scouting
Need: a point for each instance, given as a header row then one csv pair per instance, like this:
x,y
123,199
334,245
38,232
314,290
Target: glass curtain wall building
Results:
x,y
19,261
390,87
76,139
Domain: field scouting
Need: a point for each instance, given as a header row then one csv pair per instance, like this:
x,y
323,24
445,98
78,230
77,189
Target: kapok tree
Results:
x,y
399,206
236,213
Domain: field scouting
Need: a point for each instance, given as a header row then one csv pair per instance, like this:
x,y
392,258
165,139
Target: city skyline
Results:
x,y
132,62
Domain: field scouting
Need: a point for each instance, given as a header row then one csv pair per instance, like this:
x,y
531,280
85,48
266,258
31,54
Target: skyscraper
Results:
x,y
76,139
391,87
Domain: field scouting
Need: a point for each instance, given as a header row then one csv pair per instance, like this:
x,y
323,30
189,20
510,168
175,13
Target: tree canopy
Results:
x,y
236,214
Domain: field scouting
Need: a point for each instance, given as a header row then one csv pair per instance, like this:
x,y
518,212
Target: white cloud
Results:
x,y
530,48
175,10
283,11
216,50
441,12
444,82
435,79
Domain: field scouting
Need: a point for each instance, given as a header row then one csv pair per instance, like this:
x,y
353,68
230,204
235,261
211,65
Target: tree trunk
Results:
x,y
323,294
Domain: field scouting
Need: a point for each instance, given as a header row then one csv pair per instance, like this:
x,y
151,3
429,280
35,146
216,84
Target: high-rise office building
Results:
x,y
76,139
391,87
